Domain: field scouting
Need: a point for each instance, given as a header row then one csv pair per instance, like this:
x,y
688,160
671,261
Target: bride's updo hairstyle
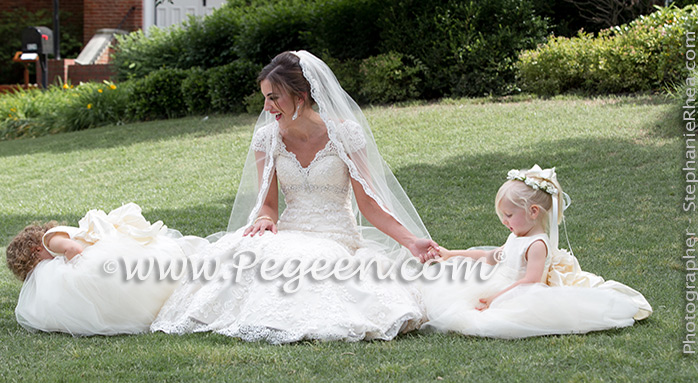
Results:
x,y
285,72
524,196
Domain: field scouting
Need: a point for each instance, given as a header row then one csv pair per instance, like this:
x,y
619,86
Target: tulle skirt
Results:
x,y
90,295
264,302
526,310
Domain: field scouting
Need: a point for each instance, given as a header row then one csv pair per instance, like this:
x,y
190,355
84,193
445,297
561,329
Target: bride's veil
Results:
x,y
349,131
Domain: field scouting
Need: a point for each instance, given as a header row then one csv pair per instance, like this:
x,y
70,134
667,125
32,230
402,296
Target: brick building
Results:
x,y
96,16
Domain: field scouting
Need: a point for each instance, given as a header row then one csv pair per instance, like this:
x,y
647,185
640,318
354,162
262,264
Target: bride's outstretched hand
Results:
x,y
424,249
260,227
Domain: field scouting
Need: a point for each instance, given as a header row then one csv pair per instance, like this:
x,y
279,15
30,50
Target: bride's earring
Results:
x,y
295,115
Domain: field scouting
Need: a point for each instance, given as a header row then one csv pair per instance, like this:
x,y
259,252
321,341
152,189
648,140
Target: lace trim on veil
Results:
x,y
331,125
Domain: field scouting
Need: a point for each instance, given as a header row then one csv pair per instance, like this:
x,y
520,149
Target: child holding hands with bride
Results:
x,y
533,288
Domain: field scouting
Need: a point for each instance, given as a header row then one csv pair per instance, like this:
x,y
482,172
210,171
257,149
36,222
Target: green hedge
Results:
x,y
195,90
230,84
462,47
645,54
158,95
468,47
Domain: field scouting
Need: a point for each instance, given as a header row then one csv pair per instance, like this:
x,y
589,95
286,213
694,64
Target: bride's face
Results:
x,y
277,102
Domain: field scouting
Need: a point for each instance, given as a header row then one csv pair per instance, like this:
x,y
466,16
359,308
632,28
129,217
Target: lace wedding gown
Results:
x,y
317,226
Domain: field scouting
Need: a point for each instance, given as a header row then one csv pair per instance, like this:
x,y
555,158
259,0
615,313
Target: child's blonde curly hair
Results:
x,y
22,256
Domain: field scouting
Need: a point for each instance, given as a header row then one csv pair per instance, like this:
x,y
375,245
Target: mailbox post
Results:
x,y
38,40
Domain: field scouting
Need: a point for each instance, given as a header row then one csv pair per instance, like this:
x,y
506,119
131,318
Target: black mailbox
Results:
x,y
37,40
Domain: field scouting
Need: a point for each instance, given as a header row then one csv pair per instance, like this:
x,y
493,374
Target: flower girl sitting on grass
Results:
x,y
533,288
71,279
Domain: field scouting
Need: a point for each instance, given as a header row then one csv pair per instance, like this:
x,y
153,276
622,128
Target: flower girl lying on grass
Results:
x,y
534,288
71,279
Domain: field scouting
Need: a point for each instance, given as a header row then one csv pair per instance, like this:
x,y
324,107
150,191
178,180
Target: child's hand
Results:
x,y
485,303
72,250
444,253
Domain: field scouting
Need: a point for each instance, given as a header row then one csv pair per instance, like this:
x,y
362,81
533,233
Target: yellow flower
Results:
x,y
65,86
112,86
89,106
13,110
99,90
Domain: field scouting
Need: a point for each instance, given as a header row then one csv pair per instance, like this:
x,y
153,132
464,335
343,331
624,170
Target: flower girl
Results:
x,y
530,287
71,279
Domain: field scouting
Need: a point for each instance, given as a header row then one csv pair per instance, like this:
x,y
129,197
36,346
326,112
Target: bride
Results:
x,y
340,205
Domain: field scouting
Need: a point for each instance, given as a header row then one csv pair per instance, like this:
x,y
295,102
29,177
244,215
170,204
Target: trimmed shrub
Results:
x,y
347,72
646,54
390,78
346,29
273,29
230,84
158,95
469,48
195,90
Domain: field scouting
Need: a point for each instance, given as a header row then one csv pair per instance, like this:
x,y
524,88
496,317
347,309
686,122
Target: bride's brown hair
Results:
x,y
285,71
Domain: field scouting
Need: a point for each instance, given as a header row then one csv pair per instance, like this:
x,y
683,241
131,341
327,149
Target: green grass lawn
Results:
x,y
619,159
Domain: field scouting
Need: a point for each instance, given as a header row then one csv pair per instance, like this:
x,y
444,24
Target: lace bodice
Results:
x,y
319,196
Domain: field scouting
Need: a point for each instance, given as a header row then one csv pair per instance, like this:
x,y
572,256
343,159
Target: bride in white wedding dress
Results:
x,y
340,205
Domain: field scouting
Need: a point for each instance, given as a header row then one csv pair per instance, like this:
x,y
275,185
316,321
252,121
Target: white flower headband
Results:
x,y
536,178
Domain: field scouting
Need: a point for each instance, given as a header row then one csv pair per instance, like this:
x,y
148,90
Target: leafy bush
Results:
x,y
158,95
346,29
390,78
137,55
90,105
61,108
273,29
195,90
646,54
468,47
346,72
230,84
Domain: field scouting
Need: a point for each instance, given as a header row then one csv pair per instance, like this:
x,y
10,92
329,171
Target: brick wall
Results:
x,y
66,71
91,14
96,73
100,14
58,71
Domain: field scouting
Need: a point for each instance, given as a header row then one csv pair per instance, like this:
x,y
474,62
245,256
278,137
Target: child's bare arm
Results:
x,y
62,244
489,255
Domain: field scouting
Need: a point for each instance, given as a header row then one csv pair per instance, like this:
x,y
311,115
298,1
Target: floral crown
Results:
x,y
536,178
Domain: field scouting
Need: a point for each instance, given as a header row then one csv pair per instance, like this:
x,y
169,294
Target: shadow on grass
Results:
x,y
618,187
125,135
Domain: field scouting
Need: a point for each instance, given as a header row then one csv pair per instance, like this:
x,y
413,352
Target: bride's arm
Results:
x,y
422,248
269,212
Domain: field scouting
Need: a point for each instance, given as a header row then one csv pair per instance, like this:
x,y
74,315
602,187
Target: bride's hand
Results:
x,y
260,227
424,249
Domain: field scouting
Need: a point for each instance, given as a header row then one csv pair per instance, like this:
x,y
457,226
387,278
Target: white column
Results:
x,y
148,15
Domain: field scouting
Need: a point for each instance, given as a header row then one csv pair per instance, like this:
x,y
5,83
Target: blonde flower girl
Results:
x,y
528,287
